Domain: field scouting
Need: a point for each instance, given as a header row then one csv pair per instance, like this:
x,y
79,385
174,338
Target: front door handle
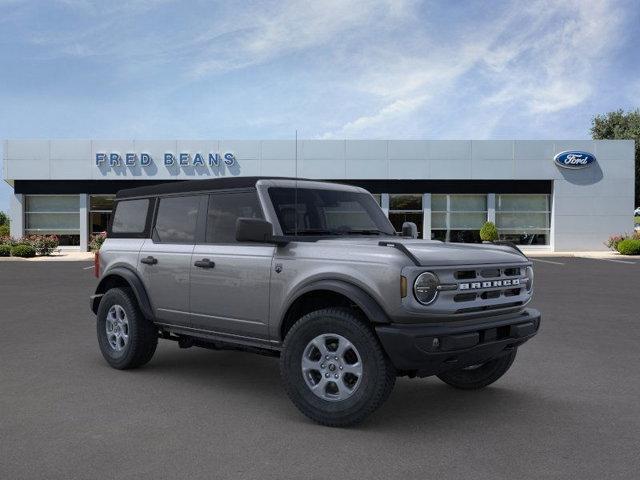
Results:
x,y
149,260
204,263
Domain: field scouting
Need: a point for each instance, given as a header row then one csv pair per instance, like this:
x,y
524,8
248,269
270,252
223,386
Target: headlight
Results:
x,y
529,274
425,288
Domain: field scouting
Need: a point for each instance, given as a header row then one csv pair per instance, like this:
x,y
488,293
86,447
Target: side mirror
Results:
x,y
409,229
254,230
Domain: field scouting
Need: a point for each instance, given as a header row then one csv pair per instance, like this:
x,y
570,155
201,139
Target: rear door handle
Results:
x,y
149,260
204,263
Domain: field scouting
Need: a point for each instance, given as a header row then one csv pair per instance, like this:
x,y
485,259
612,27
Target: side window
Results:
x,y
130,216
176,219
224,210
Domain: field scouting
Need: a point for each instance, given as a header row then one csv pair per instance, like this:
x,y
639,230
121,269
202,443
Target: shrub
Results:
x,y
4,218
613,241
4,230
5,250
489,232
629,246
43,244
9,241
97,240
23,250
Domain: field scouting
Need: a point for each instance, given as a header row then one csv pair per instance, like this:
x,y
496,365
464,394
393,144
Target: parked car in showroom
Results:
x,y
313,273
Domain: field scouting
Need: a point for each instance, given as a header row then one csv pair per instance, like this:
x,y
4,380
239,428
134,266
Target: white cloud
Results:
x,y
396,109
541,57
552,65
293,26
392,67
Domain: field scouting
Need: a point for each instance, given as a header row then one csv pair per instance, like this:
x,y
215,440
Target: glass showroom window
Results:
x,y
406,208
523,219
457,218
100,207
54,214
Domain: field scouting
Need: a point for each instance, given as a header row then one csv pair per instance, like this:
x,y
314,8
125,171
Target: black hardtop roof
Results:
x,y
186,186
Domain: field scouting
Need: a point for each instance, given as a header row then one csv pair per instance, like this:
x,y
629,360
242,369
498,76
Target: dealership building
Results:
x,y
551,195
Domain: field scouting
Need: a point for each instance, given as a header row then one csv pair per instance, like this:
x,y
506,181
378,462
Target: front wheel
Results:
x,y
334,369
479,376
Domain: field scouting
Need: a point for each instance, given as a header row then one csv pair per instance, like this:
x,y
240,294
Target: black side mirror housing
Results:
x,y
254,230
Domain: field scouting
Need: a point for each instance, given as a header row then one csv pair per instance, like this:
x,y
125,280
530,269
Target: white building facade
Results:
x,y
552,195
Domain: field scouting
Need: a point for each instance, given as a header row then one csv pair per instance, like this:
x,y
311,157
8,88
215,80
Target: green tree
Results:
x,y
620,125
4,218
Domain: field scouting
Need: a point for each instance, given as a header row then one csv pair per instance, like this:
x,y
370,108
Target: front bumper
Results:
x,y
431,349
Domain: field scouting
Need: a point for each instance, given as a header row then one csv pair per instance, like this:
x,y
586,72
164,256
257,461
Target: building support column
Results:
x,y
84,222
491,207
552,221
384,203
426,216
17,215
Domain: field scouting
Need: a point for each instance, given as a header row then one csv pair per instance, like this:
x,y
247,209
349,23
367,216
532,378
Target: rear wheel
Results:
x,y
334,369
479,376
126,338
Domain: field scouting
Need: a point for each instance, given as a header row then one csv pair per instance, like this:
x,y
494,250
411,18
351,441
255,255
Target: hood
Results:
x,y
435,253
438,253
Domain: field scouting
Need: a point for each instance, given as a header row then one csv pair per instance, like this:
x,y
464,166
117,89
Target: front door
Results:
x,y
165,259
230,280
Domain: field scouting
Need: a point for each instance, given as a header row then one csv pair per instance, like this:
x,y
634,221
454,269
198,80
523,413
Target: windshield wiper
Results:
x,y
338,232
365,232
314,231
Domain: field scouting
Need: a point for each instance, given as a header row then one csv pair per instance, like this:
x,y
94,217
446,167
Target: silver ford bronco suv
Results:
x,y
314,273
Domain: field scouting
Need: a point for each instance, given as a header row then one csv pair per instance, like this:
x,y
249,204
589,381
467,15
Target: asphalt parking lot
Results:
x,y
569,407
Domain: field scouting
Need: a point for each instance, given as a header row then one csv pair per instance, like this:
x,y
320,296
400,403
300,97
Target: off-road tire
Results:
x,y
378,376
143,335
480,377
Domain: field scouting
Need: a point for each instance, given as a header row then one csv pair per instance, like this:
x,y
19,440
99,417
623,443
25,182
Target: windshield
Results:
x,y
328,212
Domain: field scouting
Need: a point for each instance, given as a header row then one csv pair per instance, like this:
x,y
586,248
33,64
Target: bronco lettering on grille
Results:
x,y
491,284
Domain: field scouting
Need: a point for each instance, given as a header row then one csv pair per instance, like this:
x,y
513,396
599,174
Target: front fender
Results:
x,y
116,276
357,295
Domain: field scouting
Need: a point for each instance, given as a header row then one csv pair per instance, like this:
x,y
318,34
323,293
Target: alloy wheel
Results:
x,y
332,367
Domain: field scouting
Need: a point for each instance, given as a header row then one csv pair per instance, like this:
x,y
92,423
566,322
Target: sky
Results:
x,y
402,69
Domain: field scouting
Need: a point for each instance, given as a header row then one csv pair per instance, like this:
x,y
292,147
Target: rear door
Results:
x,y
230,280
165,259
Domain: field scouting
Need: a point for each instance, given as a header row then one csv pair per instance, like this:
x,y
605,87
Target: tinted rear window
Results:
x,y
130,216
176,220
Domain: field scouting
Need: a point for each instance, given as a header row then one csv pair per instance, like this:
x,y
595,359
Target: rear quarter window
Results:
x,y
130,217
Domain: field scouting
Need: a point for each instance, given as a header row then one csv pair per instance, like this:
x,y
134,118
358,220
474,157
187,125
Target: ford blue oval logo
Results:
x,y
574,159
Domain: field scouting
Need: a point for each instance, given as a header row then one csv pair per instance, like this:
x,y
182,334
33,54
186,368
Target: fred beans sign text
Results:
x,y
212,159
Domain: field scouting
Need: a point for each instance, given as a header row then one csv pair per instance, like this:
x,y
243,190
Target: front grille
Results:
x,y
487,273
491,294
484,308
465,274
512,292
464,297
485,287
490,273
